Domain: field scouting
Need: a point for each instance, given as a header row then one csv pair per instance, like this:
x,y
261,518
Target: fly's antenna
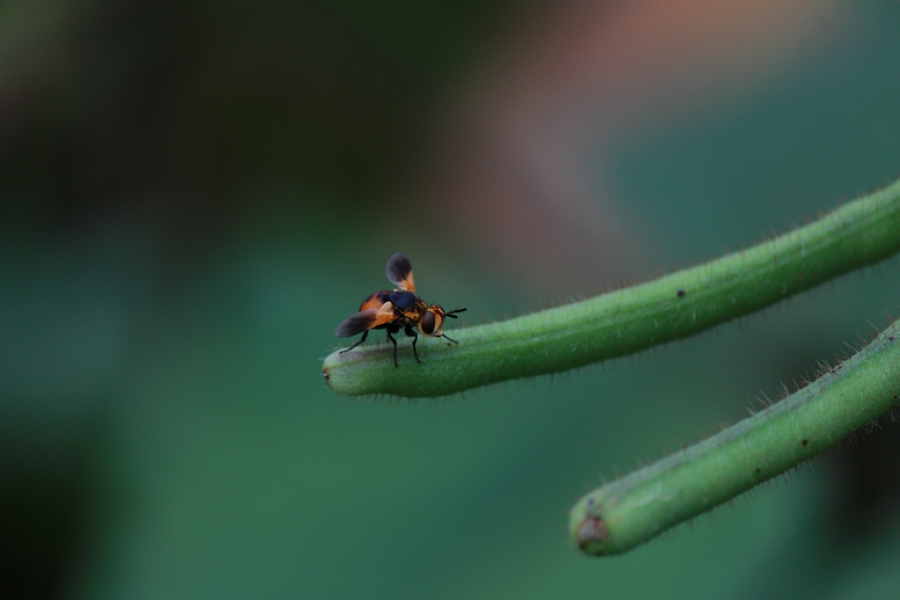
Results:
x,y
452,314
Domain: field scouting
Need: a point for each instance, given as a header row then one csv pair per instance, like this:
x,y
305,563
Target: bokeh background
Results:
x,y
194,194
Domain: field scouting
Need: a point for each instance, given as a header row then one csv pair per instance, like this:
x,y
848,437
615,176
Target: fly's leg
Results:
x,y
393,341
361,340
410,332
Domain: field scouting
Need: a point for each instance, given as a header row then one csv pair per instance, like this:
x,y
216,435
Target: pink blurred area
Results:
x,y
572,82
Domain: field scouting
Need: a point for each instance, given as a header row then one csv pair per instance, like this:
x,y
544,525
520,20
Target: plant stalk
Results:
x,y
627,512
687,302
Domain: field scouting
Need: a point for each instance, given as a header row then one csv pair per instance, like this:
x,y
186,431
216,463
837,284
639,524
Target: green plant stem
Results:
x,y
684,303
632,510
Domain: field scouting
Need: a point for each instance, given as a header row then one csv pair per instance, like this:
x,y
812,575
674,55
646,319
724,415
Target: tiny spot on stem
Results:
x,y
592,529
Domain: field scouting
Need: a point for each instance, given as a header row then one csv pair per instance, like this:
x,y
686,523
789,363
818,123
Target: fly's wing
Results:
x,y
363,321
399,272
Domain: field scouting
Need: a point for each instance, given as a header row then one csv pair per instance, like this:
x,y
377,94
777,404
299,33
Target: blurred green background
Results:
x,y
195,194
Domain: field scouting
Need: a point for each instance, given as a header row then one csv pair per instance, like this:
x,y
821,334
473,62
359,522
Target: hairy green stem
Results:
x,y
634,509
684,303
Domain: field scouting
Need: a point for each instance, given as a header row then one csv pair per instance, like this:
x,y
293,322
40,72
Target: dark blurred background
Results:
x,y
194,194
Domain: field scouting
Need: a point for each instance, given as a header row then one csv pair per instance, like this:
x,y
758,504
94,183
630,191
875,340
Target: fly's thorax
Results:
x,y
411,315
404,300
408,307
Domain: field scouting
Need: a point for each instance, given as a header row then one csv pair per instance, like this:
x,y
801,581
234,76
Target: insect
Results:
x,y
397,309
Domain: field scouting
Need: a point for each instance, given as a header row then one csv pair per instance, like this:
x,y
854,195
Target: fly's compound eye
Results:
x,y
427,324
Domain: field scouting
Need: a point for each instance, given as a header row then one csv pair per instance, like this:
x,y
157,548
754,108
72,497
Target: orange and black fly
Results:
x,y
397,309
